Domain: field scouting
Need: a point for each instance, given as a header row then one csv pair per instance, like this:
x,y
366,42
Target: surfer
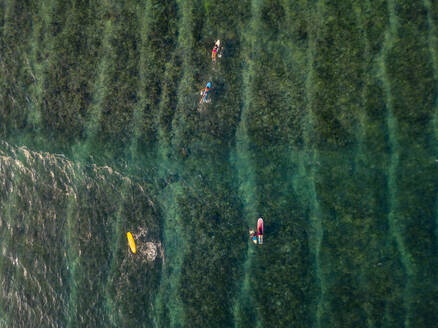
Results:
x,y
253,236
215,50
205,92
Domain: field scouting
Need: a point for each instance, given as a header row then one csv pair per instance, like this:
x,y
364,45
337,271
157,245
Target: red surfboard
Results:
x,y
260,230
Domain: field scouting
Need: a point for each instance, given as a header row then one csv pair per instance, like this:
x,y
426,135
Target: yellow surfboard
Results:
x,y
131,242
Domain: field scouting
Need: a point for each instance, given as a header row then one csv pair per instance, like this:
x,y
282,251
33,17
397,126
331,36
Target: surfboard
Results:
x,y
131,242
260,230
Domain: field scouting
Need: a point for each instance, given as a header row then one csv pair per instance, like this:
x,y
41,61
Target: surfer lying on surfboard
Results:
x,y
217,50
214,51
205,92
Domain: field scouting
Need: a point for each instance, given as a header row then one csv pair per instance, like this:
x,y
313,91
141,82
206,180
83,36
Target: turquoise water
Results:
x,y
323,120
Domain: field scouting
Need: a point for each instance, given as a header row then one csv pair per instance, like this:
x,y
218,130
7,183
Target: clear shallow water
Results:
x,y
323,121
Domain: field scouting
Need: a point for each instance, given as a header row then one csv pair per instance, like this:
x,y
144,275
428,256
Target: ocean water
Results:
x,y
323,121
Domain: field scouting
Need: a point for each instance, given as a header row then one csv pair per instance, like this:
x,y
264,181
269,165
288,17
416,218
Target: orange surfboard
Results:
x,y
131,242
